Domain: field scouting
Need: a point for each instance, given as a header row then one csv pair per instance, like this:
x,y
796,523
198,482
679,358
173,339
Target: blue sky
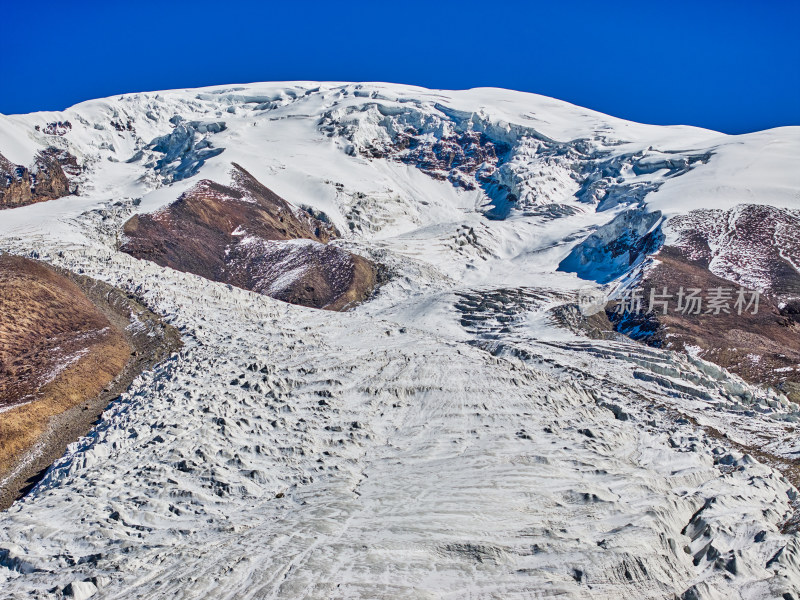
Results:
x,y
732,66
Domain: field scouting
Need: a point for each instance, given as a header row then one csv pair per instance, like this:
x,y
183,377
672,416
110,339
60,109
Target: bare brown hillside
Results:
x,y
246,235
50,332
65,353
749,247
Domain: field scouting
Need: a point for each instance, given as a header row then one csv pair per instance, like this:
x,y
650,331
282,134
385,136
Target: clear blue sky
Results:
x,y
728,65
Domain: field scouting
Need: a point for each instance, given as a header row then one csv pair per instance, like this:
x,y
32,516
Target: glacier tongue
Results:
x,y
289,453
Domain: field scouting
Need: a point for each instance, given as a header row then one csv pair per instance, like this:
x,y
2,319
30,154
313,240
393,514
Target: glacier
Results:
x,y
446,439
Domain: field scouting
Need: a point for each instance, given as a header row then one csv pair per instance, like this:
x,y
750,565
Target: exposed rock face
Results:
x,y
456,156
59,128
753,245
749,247
248,236
45,180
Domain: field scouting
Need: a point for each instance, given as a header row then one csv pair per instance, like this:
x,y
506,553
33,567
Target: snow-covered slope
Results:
x,y
445,439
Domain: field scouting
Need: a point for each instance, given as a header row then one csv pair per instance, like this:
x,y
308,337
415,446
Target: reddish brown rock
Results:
x,y
248,236
45,180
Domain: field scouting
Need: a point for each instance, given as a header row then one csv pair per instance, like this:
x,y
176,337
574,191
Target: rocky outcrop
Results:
x,y
751,248
246,235
46,179
59,128
48,325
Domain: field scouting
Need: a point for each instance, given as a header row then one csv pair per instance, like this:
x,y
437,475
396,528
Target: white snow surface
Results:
x,y
403,449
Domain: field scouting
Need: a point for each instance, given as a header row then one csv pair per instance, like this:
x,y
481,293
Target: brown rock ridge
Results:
x,y
65,352
751,247
248,236
45,180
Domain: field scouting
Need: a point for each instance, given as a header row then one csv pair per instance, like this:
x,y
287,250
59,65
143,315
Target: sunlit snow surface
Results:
x,y
407,449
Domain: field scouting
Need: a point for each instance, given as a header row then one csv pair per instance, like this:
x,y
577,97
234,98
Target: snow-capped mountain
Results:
x,y
462,430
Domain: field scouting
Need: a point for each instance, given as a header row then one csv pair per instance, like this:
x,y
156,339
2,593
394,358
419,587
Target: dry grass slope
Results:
x,y
56,351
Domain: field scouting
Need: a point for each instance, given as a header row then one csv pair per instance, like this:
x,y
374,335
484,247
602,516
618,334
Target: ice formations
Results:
x,y
445,439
